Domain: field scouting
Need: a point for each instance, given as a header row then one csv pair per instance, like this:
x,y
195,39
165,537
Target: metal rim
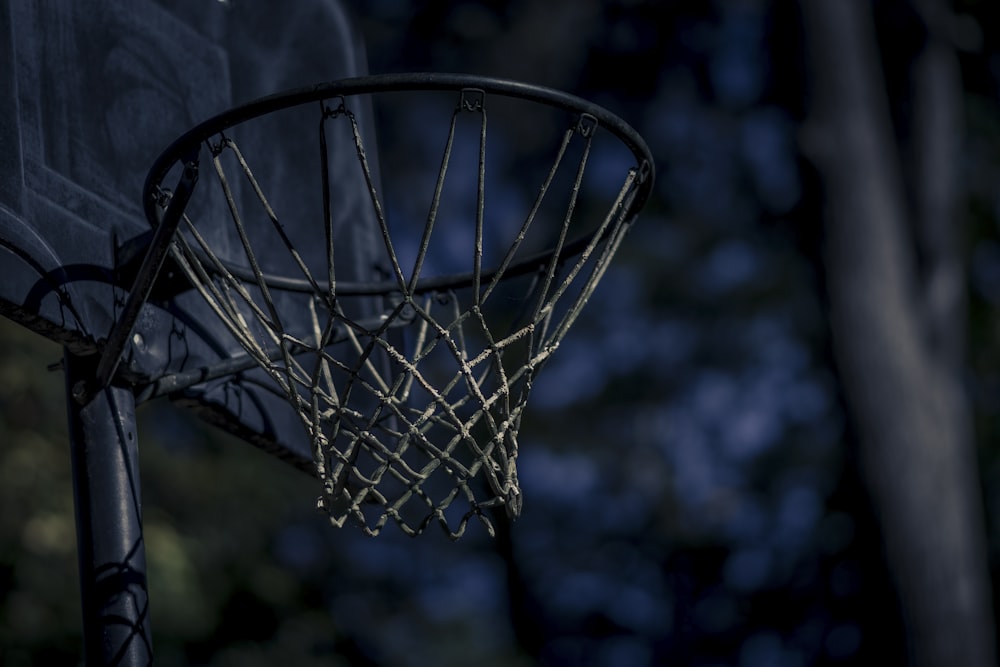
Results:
x,y
189,143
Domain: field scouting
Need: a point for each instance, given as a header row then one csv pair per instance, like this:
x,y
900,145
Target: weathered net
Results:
x,y
413,411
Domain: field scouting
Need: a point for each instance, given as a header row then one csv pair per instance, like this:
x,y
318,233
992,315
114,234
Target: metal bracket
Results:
x,y
472,99
156,255
586,125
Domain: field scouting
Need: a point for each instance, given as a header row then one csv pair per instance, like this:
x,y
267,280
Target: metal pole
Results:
x,y
108,520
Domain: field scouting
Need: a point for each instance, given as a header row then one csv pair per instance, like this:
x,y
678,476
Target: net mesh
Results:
x,y
413,411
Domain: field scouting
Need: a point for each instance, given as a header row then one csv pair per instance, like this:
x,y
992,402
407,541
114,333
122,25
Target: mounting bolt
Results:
x,y
80,393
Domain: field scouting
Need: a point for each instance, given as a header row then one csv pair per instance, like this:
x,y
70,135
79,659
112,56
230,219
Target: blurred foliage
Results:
x,y
690,490
38,573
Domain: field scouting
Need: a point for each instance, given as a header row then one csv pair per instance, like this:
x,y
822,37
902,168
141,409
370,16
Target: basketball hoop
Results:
x,y
410,388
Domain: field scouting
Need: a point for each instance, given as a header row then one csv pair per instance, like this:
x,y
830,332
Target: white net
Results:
x,y
412,408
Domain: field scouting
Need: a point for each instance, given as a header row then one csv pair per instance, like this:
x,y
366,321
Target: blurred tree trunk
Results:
x,y
896,292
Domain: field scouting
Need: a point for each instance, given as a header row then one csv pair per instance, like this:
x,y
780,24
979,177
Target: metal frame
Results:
x,y
190,141
188,144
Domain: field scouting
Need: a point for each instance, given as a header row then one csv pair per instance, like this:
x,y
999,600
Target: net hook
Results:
x,y
472,99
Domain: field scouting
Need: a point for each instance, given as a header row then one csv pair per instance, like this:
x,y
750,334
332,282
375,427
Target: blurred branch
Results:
x,y
905,398
935,137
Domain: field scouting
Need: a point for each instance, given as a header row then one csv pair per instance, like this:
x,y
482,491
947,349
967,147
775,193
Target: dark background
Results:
x,y
692,491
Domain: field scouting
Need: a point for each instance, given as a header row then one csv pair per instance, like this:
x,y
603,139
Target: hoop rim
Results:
x,y
189,143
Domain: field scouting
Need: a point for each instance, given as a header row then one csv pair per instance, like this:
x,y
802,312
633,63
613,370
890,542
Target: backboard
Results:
x,y
92,92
